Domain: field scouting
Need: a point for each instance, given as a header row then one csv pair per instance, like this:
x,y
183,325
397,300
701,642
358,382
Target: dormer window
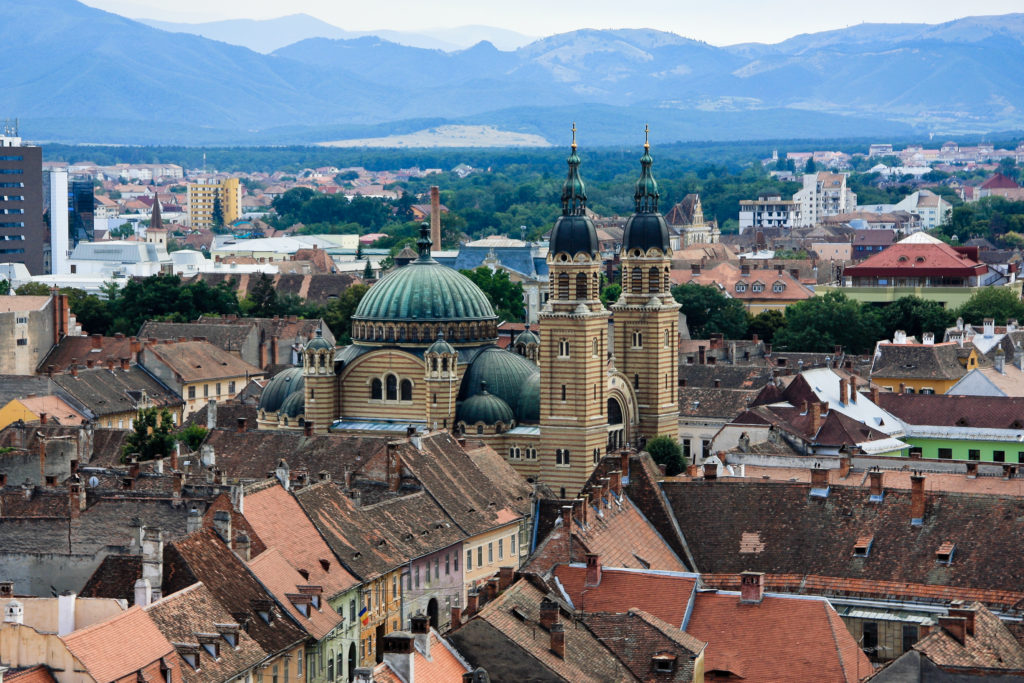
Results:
x,y
779,287
741,286
664,663
757,287
862,548
944,555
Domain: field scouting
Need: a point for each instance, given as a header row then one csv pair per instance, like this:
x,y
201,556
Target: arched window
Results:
x,y
391,382
563,286
668,339
406,390
636,381
376,393
636,285
581,286
668,284
638,339
593,347
563,348
652,280
479,429
433,363
401,333
444,365
563,392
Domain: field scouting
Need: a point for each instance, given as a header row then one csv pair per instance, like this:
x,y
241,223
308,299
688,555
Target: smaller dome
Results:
x,y
503,371
318,342
486,408
644,231
572,235
295,404
526,337
440,346
280,387
528,405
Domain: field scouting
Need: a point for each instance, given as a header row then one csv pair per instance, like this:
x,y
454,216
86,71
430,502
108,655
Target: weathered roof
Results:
x,y
917,361
109,392
195,361
637,637
779,528
281,579
114,578
119,646
980,412
704,402
990,646
226,337
183,615
96,348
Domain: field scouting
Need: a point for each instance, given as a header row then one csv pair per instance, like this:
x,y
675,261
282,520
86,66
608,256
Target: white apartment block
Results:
x,y
824,194
769,211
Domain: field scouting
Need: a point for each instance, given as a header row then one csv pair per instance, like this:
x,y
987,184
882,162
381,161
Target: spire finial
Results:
x,y
574,192
424,241
646,195
647,145
574,136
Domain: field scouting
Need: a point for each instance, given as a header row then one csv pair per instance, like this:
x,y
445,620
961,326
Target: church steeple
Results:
x,y
646,195
574,191
155,221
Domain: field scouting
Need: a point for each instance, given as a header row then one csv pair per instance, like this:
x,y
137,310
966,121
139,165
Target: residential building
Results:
x,y
687,220
923,368
823,194
420,654
921,265
870,242
208,196
29,327
758,289
769,211
703,411
22,231
118,259
979,429
197,370
115,394
42,409
90,351
930,207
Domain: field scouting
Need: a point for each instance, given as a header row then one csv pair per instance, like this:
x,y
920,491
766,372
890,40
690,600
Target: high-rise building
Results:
x,y
22,230
81,211
212,202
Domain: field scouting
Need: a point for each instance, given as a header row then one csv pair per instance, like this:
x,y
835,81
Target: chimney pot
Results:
x,y
240,425
874,395
558,640
710,471
548,613
966,613
751,587
456,617
917,499
506,575
819,478
875,483
593,570
955,627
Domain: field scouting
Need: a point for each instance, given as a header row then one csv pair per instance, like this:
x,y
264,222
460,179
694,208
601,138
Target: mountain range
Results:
x,y
73,73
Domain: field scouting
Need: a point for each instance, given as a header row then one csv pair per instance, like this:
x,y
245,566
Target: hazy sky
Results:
x,y
720,22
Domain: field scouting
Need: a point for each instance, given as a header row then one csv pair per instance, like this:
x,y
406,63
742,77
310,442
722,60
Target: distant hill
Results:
x,y
74,73
267,35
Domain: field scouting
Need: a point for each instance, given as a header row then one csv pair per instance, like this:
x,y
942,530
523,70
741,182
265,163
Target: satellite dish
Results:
x,y
93,482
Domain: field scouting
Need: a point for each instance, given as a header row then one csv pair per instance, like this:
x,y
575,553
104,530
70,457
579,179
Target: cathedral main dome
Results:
x,y
422,299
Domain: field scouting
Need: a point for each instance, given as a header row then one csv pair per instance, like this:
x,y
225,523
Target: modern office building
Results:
x,y
208,197
22,231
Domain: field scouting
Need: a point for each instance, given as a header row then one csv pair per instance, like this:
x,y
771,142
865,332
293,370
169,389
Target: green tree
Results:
x,y
32,289
338,313
91,312
765,324
709,310
820,323
611,293
506,296
345,176
1000,303
150,436
192,436
368,271
810,166
218,214
5,287
262,300
123,231
915,316
666,451
164,297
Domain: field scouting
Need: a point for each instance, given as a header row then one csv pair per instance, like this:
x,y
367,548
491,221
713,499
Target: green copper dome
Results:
x,y
528,405
646,228
504,372
318,342
280,387
485,407
440,347
295,404
526,337
425,291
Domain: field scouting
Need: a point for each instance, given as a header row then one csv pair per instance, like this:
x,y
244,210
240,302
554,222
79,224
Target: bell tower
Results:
x,y
646,315
321,384
573,331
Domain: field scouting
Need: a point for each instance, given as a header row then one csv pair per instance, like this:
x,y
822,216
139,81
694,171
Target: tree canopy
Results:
x,y
1000,303
150,436
506,296
666,451
820,323
709,310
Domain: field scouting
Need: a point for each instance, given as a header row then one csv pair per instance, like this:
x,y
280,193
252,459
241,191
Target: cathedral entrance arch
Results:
x,y
616,425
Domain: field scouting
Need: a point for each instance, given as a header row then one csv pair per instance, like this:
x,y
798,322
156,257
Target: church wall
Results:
x,y
355,382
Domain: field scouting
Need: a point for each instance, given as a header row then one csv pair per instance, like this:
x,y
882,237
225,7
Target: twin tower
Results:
x,y
592,402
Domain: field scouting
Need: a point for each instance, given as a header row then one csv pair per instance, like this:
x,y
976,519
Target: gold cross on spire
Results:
x,y
574,135
647,145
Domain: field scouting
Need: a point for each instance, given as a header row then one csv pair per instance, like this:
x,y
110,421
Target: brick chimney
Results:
x,y
307,428
240,425
593,570
420,625
615,480
955,627
506,575
853,389
844,467
956,609
96,341
435,218
917,499
557,632
472,602
710,471
815,409
76,496
90,363
874,395
567,518
819,478
74,367
875,484
126,363
843,391
399,653
751,588
243,547
456,617
701,355
548,613
624,465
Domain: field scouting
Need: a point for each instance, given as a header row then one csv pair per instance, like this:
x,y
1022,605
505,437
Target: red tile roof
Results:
x,y
806,639
119,646
282,525
916,259
443,666
663,594
34,674
283,581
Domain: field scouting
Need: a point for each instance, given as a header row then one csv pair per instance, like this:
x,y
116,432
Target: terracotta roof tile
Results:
x,y
990,646
637,637
194,361
33,674
443,666
81,349
281,579
183,615
663,594
282,525
119,646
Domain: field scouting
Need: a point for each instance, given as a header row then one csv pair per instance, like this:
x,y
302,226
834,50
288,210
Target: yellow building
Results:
x,y
925,368
40,409
205,196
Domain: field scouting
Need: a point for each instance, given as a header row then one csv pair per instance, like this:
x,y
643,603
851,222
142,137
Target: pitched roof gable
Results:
x,y
119,646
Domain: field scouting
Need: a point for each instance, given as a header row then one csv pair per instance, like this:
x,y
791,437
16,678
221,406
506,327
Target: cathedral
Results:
x,y
424,354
